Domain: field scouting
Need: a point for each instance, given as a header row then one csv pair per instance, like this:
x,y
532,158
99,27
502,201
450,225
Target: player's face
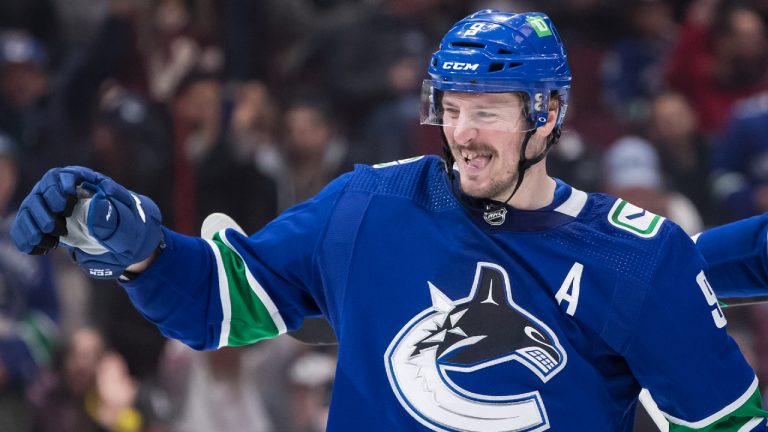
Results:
x,y
484,133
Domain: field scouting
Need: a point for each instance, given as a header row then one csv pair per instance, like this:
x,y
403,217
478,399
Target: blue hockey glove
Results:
x,y
105,227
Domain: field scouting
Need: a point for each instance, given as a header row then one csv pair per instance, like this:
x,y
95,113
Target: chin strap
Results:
x,y
524,163
448,156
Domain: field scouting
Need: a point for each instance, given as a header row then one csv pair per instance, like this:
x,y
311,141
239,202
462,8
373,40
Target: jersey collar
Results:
x,y
493,215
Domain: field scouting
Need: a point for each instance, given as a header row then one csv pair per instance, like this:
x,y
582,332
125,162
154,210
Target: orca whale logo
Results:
x,y
485,328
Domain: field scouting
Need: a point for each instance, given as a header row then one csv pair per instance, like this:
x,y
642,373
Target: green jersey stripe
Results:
x,y
266,300
249,320
249,314
737,416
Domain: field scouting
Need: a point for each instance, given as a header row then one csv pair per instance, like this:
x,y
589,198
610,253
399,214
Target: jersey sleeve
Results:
x,y
681,353
737,257
233,289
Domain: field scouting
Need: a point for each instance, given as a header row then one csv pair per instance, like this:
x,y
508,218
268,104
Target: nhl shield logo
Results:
x,y
495,217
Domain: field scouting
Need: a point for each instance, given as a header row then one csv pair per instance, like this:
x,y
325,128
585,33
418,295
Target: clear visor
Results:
x,y
477,108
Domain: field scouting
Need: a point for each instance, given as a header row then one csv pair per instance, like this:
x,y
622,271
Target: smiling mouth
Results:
x,y
476,159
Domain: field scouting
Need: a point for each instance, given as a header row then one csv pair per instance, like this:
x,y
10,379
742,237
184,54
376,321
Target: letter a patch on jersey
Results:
x,y
639,222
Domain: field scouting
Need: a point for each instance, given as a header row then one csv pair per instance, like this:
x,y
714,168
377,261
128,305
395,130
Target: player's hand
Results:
x,y
105,227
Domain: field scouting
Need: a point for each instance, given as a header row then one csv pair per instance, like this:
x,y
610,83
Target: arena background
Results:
x,y
248,107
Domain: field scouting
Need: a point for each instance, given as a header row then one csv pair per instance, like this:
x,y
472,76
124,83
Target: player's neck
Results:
x,y
536,191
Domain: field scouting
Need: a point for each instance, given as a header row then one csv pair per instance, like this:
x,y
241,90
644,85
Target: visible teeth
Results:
x,y
467,155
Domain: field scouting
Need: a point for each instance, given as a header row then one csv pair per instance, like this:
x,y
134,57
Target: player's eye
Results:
x,y
451,112
486,115
450,116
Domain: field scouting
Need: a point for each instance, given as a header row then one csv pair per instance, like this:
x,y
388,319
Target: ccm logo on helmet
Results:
x,y
461,66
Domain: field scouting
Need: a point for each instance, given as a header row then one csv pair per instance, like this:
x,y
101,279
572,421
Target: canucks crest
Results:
x,y
484,329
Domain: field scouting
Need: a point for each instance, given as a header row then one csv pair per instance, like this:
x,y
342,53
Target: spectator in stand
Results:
x,y
78,22
578,160
79,119
253,123
24,84
391,130
178,41
632,69
311,152
401,32
721,57
29,309
310,378
131,141
632,172
683,151
52,119
90,391
36,17
217,390
206,163
590,28
278,385
740,161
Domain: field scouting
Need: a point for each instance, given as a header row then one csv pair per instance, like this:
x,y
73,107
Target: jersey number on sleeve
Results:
x,y
709,294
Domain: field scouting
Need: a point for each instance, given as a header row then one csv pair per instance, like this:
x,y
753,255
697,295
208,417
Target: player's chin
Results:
x,y
475,188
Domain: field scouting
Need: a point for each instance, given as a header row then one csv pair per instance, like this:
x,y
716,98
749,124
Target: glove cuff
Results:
x,y
105,266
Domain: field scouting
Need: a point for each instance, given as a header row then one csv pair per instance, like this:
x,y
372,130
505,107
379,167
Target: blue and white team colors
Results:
x,y
454,320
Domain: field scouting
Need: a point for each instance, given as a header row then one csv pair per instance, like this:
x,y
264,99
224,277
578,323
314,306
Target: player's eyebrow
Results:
x,y
490,106
449,104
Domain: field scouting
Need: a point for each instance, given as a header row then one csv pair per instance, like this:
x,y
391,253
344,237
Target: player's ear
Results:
x,y
549,126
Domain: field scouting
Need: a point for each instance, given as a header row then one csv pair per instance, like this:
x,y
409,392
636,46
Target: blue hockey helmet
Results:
x,y
493,52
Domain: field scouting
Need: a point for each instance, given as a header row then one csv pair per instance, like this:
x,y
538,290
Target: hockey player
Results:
x,y
477,295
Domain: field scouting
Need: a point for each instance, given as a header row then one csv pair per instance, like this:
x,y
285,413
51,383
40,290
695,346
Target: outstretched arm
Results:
x,y
737,260
714,389
226,289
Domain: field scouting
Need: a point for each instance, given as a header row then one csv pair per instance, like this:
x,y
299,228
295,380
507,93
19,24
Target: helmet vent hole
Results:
x,y
468,44
496,67
504,51
434,62
513,65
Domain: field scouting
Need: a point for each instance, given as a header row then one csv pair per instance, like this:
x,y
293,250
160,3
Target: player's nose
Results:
x,y
464,134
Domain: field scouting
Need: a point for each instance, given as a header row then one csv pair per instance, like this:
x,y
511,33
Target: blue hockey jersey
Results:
x,y
451,319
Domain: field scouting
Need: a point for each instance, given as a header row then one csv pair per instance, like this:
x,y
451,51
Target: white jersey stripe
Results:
x,y
751,424
733,406
226,308
573,205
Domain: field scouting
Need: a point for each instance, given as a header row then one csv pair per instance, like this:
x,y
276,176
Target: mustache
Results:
x,y
474,148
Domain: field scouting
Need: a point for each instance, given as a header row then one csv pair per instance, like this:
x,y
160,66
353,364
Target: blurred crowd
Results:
x,y
248,107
